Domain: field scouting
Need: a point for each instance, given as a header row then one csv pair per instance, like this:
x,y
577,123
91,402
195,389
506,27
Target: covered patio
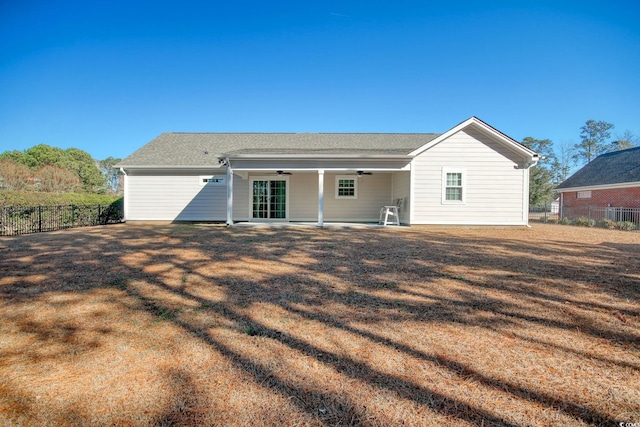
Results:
x,y
322,190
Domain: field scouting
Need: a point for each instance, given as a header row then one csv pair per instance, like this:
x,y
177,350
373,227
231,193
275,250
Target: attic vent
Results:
x,y
212,179
583,194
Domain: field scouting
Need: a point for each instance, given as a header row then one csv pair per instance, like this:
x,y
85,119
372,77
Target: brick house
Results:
x,y
612,180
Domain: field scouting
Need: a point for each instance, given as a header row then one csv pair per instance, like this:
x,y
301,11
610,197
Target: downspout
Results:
x,y
525,178
229,193
125,198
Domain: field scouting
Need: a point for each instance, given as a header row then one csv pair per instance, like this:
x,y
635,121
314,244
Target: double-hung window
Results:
x,y
346,187
453,186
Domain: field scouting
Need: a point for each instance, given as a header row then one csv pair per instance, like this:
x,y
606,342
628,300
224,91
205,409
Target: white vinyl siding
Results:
x,y
179,196
374,191
303,196
173,196
493,182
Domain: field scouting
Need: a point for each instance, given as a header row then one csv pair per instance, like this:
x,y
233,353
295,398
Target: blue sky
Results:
x,y
109,76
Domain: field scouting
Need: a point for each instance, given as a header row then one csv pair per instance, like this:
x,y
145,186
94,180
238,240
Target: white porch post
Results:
x,y
320,197
229,194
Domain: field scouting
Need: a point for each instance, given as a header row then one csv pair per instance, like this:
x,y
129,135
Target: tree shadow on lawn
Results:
x,y
347,286
313,401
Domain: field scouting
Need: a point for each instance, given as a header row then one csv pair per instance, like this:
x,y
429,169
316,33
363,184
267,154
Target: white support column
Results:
x,y
525,195
320,197
229,194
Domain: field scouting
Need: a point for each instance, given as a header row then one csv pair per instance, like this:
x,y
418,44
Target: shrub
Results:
x,y
583,221
607,223
32,198
626,226
14,176
565,221
54,179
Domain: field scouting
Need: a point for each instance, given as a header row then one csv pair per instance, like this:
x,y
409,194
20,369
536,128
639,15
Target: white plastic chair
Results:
x,y
389,215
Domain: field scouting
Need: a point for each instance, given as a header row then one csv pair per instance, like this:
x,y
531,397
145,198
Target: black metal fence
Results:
x,y
545,213
36,219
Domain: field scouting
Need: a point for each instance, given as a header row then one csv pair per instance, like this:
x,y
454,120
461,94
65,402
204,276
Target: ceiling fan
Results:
x,y
360,174
280,173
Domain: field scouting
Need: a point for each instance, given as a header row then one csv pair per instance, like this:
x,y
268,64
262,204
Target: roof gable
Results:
x,y
476,123
617,167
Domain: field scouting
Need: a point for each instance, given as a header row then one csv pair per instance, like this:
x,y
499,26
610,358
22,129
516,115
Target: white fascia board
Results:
x,y
505,140
314,169
317,156
600,187
176,167
307,164
442,137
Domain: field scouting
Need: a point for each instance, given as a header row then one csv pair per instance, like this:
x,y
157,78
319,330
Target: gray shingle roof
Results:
x,y
201,149
611,168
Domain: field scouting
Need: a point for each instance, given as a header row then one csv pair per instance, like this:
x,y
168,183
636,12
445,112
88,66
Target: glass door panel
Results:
x,y
260,199
278,200
269,199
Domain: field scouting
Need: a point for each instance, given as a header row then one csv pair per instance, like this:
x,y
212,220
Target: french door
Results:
x,y
269,199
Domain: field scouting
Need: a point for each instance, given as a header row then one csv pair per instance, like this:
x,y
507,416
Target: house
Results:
x,y
472,174
611,180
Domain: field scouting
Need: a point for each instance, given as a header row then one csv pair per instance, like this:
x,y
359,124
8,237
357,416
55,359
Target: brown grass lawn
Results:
x,y
202,325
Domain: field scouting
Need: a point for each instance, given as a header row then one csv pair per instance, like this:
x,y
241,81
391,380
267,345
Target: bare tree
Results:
x,y
566,158
624,141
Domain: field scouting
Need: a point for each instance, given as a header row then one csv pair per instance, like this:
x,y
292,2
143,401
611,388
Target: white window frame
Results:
x,y
212,180
463,187
583,194
355,186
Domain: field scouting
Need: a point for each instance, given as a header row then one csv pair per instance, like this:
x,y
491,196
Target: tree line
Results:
x,y
553,168
49,169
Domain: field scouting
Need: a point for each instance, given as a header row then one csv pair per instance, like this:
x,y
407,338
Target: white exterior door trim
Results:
x,y
269,178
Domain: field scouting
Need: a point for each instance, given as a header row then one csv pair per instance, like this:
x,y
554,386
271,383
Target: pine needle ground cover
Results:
x,y
203,325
